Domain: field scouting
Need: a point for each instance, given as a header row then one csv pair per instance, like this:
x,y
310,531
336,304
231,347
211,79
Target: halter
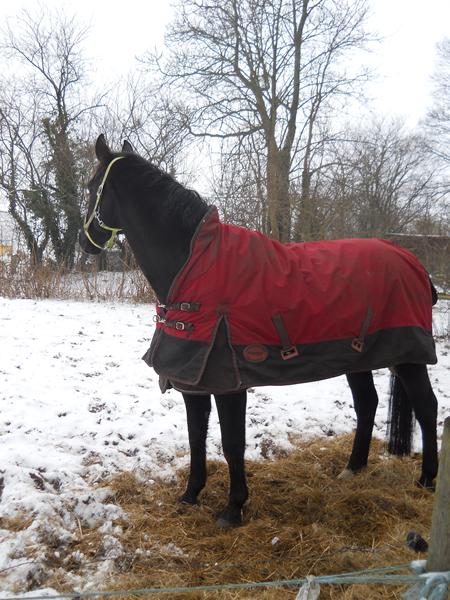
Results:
x,y
95,214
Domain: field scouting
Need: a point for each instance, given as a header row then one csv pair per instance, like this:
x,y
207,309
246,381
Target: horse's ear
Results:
x,y
127,147
102,151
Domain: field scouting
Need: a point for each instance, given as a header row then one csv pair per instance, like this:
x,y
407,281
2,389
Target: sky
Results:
x,y
404,60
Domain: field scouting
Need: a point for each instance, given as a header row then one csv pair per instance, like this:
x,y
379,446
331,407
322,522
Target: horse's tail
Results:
x,y
400,420
434,294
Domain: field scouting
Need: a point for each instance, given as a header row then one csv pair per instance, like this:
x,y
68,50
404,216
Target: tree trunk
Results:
x,y
307,225
279,209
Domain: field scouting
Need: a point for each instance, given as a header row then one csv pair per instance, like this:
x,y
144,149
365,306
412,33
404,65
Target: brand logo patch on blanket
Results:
x,y
255,353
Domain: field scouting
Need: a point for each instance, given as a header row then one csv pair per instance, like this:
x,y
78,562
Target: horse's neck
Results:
x,y
160,250
159,262
158,273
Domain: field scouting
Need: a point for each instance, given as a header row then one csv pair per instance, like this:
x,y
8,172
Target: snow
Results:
x,y
78,405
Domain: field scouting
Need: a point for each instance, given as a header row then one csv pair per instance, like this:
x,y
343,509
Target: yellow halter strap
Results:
x,y
95,214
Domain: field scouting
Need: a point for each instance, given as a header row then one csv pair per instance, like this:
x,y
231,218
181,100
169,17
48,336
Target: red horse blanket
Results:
x,y
246,310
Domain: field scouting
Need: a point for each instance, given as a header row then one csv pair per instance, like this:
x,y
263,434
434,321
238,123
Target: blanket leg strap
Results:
x,y
288,349
358,342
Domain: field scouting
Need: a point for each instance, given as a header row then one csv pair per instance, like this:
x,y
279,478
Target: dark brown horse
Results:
x,y
159,218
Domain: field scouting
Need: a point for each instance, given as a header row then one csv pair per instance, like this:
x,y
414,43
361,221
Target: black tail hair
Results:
x,y
434,294
400,420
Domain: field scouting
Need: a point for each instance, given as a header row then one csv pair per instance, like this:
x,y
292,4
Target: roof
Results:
x,y
419,235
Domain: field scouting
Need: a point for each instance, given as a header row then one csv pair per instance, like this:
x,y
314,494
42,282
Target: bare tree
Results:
x,y
437,125
22,179
151,120
382,181
438,118
40,128
238,185
266,69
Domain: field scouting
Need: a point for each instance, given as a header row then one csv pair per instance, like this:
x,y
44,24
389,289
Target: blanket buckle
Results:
x,y
178,325
288,352
357,344
183,306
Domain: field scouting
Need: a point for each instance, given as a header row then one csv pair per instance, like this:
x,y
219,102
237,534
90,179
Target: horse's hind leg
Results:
x,y
416,383
231,409
365,401
198,407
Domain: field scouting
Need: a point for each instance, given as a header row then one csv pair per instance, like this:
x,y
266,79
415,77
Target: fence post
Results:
x,y
439,550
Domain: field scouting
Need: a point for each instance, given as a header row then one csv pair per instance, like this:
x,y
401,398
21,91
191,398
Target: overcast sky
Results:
x,y
120,31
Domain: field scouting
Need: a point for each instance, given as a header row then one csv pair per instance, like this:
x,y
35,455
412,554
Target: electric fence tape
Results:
x,y
428,586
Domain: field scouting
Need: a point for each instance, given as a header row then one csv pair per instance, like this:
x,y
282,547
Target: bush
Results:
x,y
20,278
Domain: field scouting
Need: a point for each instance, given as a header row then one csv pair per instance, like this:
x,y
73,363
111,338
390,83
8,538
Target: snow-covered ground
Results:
x,y
78,404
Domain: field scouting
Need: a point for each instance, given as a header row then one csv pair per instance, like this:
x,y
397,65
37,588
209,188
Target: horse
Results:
x,y
167,226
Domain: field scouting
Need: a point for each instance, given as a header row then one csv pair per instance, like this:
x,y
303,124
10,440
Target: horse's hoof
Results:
x,y
346,474
224,523
228,519
187,498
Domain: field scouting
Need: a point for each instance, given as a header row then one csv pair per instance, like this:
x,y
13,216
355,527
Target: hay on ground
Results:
x,y
300,520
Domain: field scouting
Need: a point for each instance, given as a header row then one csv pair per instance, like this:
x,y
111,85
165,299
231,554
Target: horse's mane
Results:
x,y
175,200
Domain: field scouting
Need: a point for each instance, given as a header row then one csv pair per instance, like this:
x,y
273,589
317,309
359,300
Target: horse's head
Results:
x,y
102,224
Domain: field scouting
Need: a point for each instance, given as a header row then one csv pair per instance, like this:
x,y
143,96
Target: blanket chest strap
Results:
x,y
178,325
183,306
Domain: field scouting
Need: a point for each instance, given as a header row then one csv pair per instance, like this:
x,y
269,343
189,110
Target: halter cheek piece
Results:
x,y
95,215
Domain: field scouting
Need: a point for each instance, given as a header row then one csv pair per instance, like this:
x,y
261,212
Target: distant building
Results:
x,y
8,234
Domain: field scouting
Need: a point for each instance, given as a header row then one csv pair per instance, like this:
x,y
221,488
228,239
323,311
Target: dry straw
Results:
x,y
300,521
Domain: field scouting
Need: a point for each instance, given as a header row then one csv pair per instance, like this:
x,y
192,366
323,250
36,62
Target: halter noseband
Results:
x,y
95,214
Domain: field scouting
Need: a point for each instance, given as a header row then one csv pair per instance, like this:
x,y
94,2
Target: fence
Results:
x,y
431,585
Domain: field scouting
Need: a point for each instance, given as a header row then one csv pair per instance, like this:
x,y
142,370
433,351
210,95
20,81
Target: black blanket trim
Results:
x,y
219,367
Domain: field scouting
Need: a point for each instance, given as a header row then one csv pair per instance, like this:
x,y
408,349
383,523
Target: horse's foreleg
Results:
x,y
198,407
365,401
418,388
231,409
